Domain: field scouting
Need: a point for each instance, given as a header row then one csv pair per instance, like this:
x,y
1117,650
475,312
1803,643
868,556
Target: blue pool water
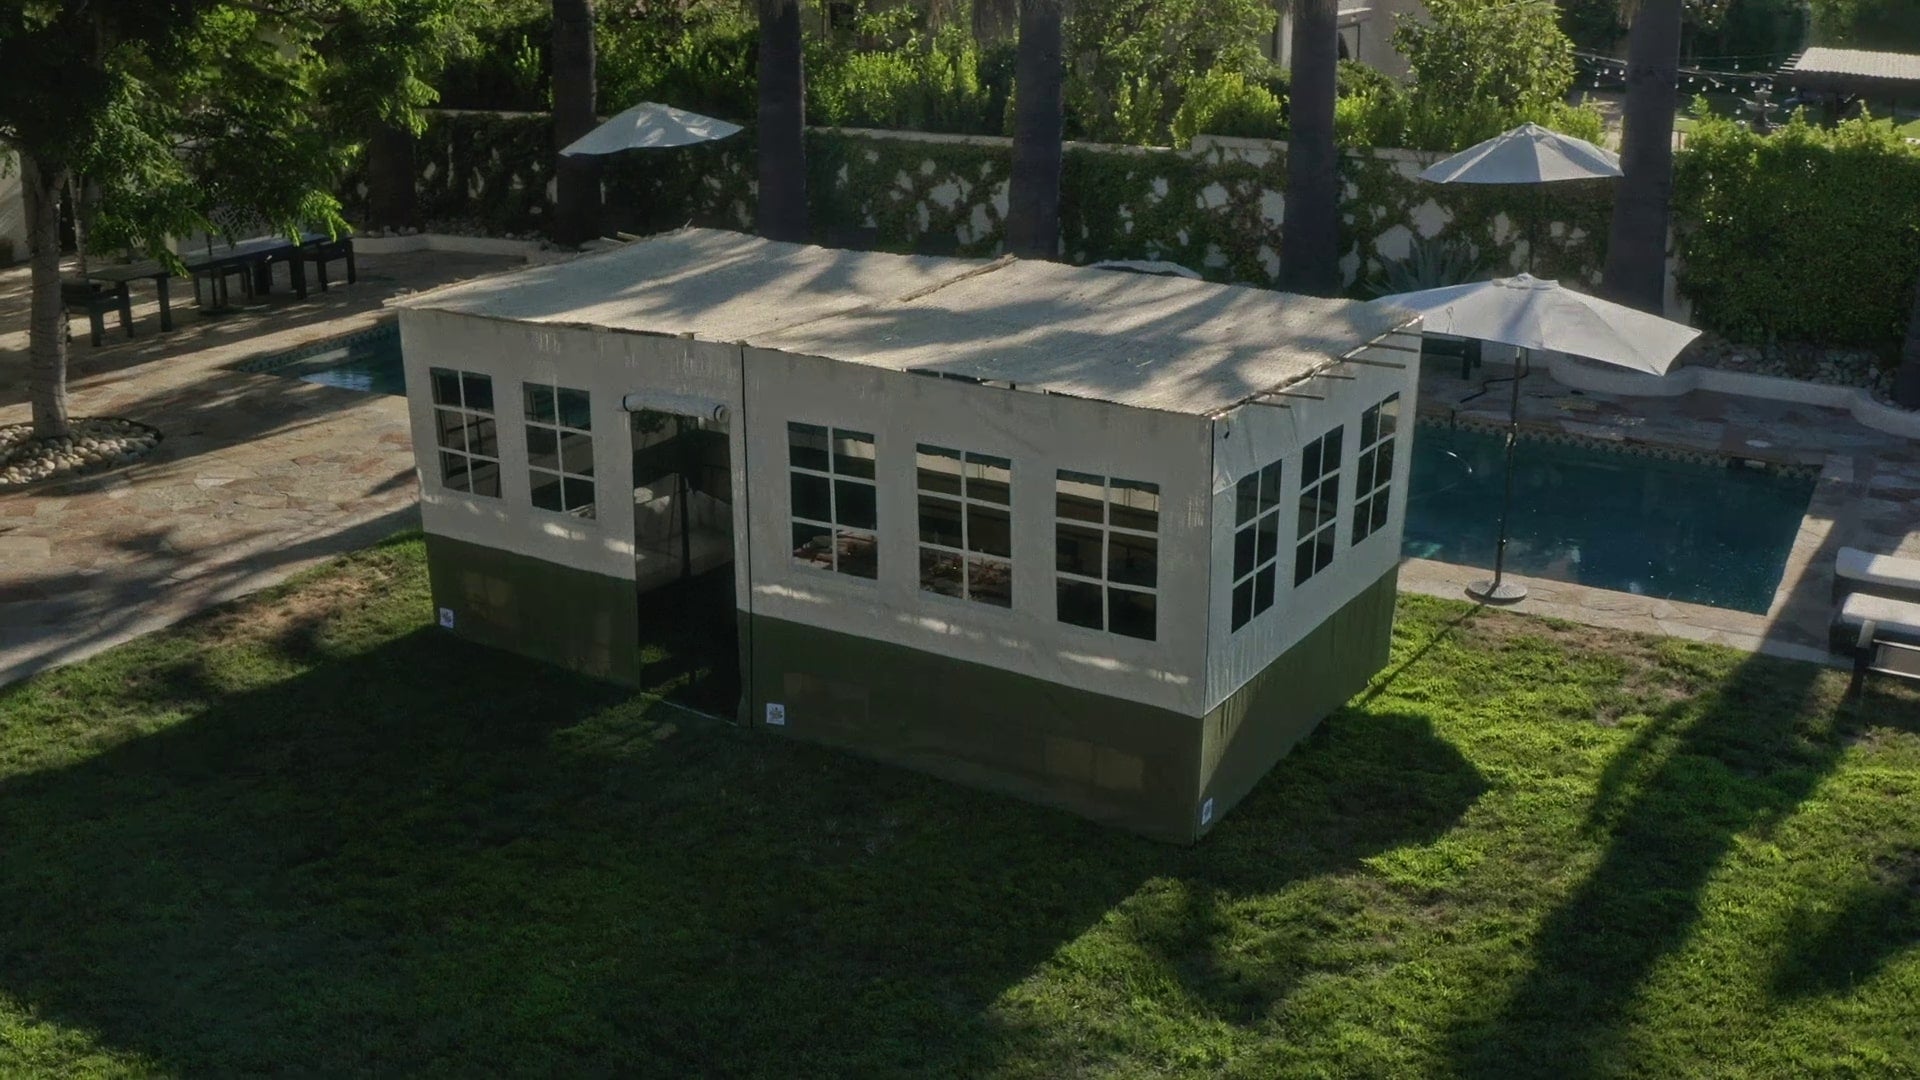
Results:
x,y
368,362
1703,534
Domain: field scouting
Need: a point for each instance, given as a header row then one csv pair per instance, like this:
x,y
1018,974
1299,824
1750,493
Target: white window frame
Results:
x,y
1385,421
1266,485
587,511
470,417
965,553
1312,487
1107,530
834,478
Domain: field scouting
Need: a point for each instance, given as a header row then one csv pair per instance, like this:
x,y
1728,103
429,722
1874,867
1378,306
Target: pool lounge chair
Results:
x,y
1856,571
1885,635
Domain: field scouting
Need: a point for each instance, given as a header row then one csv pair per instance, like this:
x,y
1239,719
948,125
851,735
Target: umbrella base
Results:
x,y
1504,592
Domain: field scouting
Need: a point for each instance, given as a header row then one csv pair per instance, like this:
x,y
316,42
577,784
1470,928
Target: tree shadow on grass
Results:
x,y
1835,950
429,857
1670,805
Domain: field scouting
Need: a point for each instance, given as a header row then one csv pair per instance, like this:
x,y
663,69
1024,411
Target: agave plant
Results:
x,y
1429,264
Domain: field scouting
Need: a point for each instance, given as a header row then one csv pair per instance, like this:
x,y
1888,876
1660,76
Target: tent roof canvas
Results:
x,y
1143,341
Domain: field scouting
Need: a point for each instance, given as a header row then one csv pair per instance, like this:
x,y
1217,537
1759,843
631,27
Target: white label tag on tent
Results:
x,y
446,618
1206,812
776,714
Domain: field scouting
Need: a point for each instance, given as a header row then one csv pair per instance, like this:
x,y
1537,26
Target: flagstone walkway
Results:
x,y
258,476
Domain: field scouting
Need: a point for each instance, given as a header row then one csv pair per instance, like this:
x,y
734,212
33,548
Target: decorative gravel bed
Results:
x,y
1810,363
97,444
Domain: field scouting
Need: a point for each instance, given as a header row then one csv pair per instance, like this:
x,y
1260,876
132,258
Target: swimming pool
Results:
x,y
368,361
1677,530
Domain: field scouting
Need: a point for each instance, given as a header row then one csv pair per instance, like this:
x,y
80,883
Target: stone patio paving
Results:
x,y
259,475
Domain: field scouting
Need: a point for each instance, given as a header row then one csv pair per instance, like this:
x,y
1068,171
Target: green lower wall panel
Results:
x,y
1114,761
1256,725
1146,769
577,619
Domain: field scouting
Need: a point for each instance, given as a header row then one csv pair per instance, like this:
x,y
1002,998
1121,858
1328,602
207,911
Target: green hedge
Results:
x,y
1808,234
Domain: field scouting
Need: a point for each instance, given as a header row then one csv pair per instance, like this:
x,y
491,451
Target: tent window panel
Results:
x,y
834,502
1374,483
1107,547
465,431
1319,509
559,448
1256,543
966,526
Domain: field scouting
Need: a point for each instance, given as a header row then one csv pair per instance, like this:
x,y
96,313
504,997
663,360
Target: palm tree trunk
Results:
x,y
47,322
1310,223
782,213
994,20
1906,384
576,180
1636,272
1039,116
391,199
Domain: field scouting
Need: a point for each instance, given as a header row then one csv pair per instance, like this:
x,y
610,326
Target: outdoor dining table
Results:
x,y
252,257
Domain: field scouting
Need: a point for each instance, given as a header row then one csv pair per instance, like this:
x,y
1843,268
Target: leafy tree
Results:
x,y
1033,185
576,180
1636,272
178,110
782,122
1883,25
1130,60
1511,55
1310,221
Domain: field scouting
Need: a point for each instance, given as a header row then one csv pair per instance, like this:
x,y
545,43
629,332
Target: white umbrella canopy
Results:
x,y
1529,154
1535,314
649,126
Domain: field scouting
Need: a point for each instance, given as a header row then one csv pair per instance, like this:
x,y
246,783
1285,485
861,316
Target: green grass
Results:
x,y
310,834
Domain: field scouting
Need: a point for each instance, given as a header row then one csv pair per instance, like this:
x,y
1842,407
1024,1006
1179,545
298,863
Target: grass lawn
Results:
x,y
311,834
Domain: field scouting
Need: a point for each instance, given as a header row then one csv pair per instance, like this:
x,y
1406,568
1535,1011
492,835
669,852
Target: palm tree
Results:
x,y
1039,114
576,180
1310,225
1636,272
994,20
1906,386
782,213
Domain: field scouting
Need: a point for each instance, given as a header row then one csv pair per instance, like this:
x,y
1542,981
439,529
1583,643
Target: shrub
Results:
x,y
1227,103
1807,234
926,84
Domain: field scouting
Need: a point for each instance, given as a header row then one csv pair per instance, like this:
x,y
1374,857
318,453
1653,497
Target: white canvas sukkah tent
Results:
x,y
1106,540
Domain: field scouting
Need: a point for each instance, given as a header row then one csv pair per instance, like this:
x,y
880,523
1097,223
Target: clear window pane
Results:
x,y
989,479
1389,416
1380,504
813,545
989,530
1134,505
1079,603
1246,499
539,404
1310,463
853,454
1330,456
1269,530
1263,585
1077,550
939,521
854,504
543,448
450,429
446,386
941,572
1363,473
990,582
1242,604
1080,497
811,497
485,476
807,446
453,471
1369,425
483,437
575,411
546,491
1323,551
579,496
859,554
1130,613
1303,563
576,453
1383,469
1132,560
1270,486
1242,553
1362,512
479,391
939,470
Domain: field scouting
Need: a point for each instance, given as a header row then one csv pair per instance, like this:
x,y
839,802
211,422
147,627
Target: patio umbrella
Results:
x,y
1529,154
649,126
1532,314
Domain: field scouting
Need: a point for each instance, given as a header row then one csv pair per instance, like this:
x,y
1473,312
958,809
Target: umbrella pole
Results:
x,y
1499,590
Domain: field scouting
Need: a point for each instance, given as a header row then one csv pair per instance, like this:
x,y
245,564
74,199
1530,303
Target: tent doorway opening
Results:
x,y
683,502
